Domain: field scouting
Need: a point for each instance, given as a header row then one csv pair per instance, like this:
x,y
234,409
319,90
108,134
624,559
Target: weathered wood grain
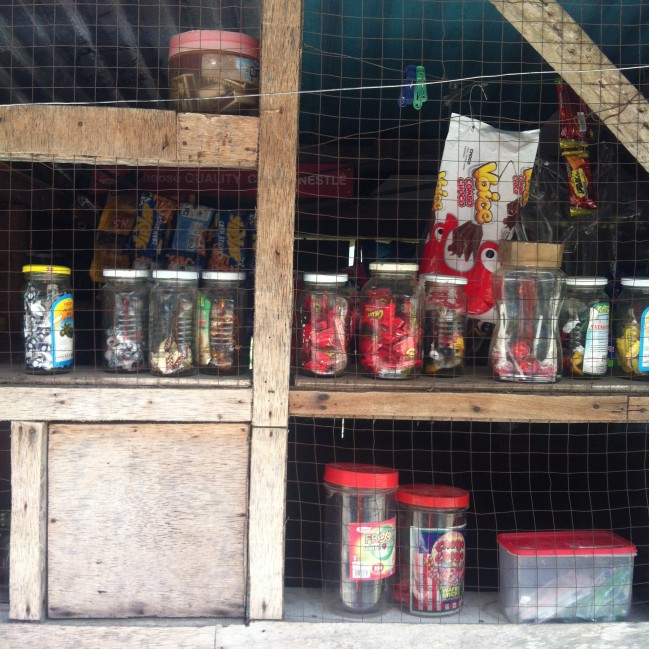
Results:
x,y
28,540
147,520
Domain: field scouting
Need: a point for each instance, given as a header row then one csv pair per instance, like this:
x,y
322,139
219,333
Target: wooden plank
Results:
x,y
83,403
551,31
28,538
147,521
126,136
266,528
463,406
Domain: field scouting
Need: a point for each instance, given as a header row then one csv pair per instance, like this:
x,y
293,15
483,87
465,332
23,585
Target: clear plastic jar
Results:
x,y
223,337
324,329
214,71
584,325
49,319
125,317
172,322
431,548
360,535
390,329
528,290
632,328
445,308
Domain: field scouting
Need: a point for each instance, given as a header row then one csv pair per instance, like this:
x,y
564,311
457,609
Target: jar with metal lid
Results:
x,y
125,317
223,336
390,329
172,308
632,328
359,535
48,319
584,325
445,307
431,548
324,325
528,291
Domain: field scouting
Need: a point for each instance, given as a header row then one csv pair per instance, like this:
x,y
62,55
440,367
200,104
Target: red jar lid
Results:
x,y
209,39
361,476
433,496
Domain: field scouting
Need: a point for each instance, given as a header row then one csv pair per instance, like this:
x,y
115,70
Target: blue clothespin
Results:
x,y
420,93
408,89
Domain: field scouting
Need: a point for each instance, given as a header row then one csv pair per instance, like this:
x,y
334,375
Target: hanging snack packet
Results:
x,y
152,226
482,186
189,248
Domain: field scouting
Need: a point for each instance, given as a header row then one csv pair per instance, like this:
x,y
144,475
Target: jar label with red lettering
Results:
x,y
372,551
436,569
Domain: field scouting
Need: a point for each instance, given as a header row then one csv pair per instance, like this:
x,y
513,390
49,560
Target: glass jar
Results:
x,y
632,328
172,322
49,319
528,290
390,330
584,325
445,307
125,317
223,337
324,329
359,535
431,520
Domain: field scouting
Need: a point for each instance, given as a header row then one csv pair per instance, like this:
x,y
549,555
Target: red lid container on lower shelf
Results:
x,y
568,543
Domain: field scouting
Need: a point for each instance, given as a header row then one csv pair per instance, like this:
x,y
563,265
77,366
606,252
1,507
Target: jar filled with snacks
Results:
x,y
223,337
125,317
323,321
632,328
390,328
445,307
48,320
172,322
584,325
528,291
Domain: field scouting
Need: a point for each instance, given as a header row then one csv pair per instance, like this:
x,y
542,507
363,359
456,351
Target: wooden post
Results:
x,y
28,541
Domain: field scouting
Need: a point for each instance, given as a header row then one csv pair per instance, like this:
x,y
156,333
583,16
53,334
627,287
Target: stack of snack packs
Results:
x,y
482,187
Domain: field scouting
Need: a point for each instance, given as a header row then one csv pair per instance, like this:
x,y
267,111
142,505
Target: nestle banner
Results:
x,y
319,181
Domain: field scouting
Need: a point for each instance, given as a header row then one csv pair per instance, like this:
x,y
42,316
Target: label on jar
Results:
x,y
436,569
372,551
62,324
204,306
643,358
596,343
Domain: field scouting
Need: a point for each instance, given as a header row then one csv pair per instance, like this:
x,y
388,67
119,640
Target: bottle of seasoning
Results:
x,y
632,327
444,324
172,322
223,336
323,320
360,535
584,325
125,314
49,319
390,336
528,291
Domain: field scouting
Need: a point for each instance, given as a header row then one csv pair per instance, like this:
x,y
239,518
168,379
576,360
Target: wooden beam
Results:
x,y
126,136
28,540
565,46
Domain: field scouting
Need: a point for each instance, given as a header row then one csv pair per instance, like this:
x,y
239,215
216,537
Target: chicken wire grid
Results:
x,y
520,477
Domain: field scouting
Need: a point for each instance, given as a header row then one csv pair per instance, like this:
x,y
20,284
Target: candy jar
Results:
x,y
323,320
171,322
49,319
584,325
444,324
632,328
125,317
223,337
390,336
528,291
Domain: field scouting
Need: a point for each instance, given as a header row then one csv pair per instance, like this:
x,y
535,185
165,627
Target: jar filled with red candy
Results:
x,y
324,330
390,329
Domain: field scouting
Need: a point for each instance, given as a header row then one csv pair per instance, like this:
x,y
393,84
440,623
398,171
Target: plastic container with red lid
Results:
x,y
570,576
431,548
359,535
214,71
